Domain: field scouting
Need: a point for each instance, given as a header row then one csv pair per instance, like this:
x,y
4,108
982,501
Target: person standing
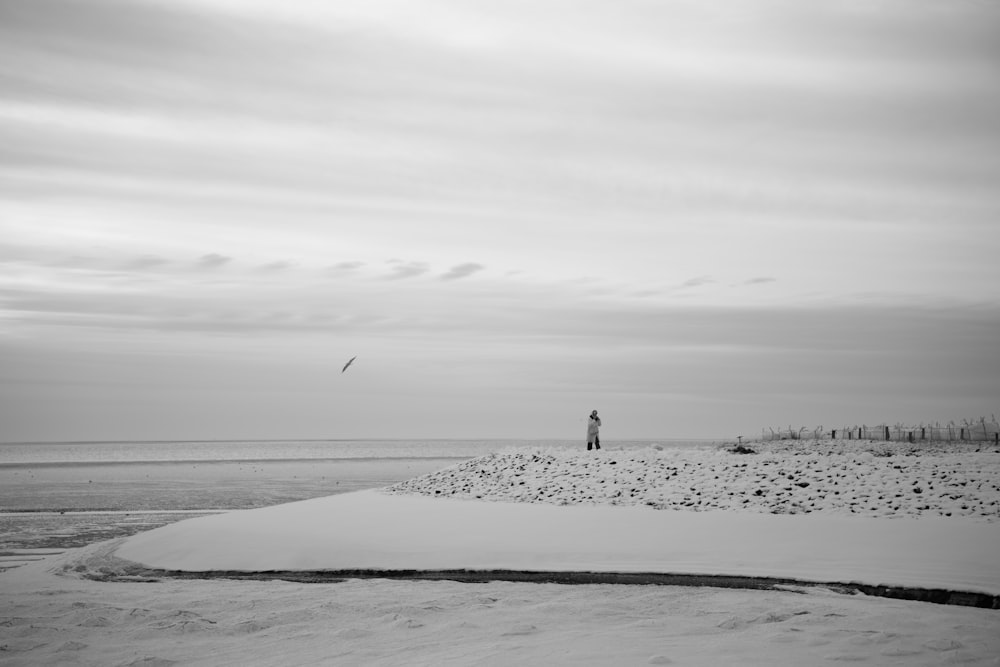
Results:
x,y
594,431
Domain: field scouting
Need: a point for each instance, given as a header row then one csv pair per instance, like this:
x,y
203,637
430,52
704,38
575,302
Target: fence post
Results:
x,y
887,433
923,433
909,436
961,434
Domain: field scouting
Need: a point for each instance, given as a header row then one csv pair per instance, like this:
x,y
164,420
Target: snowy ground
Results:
x,y
879,479
375,530
60,620
583,511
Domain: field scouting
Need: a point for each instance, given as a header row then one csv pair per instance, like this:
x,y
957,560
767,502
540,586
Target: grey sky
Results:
x,y
701,220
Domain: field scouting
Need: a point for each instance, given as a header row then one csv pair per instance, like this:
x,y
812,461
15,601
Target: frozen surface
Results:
x,y
370,529
58,616
598,512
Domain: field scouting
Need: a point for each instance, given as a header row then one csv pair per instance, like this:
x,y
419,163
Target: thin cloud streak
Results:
x,y
400,270
439,151
213,261
462,271
697,282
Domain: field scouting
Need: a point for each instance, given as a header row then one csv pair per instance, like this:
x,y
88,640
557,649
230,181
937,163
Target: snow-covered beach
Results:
x,y
827,511
869,478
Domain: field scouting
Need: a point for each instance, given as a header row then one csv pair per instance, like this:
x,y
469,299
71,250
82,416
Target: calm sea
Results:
x,y
62,495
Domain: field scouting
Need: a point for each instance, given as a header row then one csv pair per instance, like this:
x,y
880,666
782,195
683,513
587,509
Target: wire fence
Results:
x,y
981,431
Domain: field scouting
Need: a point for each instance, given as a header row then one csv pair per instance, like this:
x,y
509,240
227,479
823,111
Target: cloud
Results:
x,y
275,266
559,146
462,271
403,270
145,262
347,266
697,282
212,261
539,338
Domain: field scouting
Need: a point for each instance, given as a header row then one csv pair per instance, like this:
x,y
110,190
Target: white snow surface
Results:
x,y
858,520
53,616
57,613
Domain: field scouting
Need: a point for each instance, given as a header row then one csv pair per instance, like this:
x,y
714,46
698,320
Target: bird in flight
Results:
x,y
348,364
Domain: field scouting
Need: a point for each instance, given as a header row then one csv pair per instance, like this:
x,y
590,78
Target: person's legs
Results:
x,y
597,442
589,445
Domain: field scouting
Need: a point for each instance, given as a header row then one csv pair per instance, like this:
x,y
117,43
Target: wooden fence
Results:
x,y
982,431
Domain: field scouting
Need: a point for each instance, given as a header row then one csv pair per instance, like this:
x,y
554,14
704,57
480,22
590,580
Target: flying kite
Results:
x,y
348,364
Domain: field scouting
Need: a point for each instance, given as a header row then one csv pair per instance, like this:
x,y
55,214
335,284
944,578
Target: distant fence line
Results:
x,y
982,431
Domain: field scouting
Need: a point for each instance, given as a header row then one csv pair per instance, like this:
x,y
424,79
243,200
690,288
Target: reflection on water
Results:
x,y
58,530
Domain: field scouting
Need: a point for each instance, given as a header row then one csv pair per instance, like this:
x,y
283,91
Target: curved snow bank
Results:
x,y
379,531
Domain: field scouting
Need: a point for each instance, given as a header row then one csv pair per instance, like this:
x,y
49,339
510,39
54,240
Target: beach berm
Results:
x,y
864,478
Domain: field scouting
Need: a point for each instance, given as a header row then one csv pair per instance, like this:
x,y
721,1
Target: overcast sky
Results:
x,y
700,219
